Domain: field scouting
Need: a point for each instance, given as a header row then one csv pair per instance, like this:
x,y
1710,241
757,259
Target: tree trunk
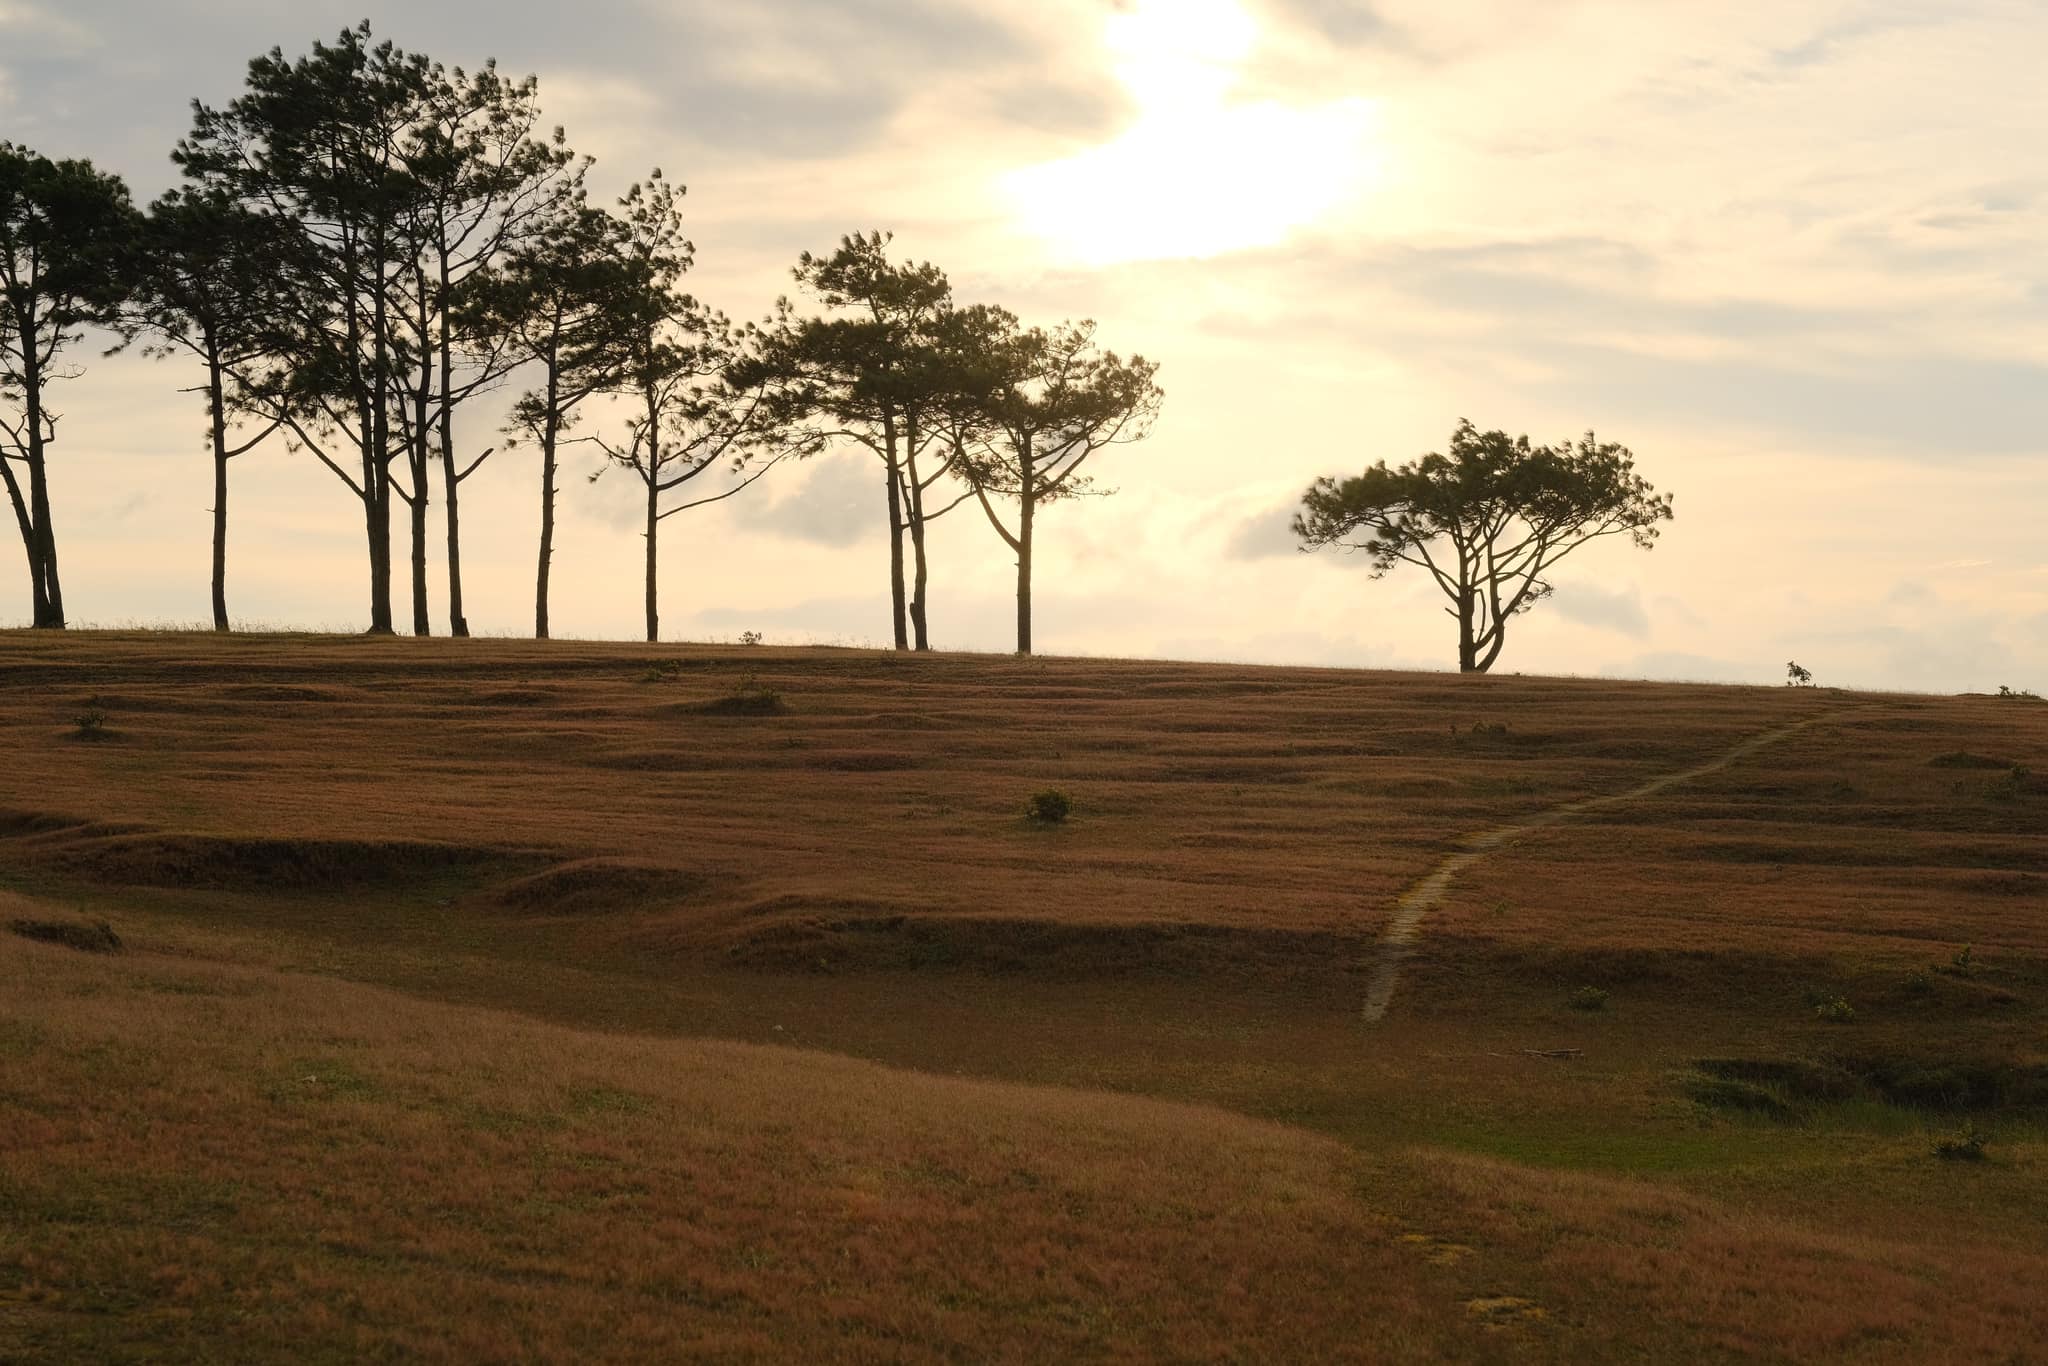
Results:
x,y
1468,646
920,575
421,623
458,624
891,479
1027,507
49,607
653,544
549,430
1027,511
217,402
28,542
377,529
653,419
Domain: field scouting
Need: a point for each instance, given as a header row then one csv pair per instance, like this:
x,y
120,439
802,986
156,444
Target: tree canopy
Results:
x,y
1488,521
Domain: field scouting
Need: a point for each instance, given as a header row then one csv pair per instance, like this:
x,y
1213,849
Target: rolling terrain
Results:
x,y
495,999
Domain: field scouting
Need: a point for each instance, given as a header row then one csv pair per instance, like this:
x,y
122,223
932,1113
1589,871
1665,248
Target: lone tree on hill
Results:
x,y
66,232
1487,521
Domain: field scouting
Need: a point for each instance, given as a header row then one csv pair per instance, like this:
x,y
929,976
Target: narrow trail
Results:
x,y
1398,943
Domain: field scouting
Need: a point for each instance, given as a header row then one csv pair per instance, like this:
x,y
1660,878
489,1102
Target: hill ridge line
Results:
x,y
1397,944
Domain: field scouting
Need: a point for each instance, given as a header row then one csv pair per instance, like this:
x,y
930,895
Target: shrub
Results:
x,y
1797,677
1835,1010
1589,998
1050,807
1964,960
1920,982
662,671
2017,694
1965,1145
750,637
91,720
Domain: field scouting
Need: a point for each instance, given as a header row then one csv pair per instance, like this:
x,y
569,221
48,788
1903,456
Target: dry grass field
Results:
x,y
499,1000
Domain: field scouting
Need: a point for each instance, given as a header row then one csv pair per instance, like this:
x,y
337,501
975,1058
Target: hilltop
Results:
x,y
756,1012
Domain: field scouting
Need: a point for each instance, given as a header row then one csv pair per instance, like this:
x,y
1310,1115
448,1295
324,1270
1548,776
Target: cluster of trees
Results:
x,y
367,242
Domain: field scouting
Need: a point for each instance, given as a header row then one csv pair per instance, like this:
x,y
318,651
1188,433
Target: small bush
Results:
x,y
91,720
1965,1145
1050,807
2017,694
662,671
96,937
1964,960
1920,982
1835,1010
1798,677
750,637
1589,998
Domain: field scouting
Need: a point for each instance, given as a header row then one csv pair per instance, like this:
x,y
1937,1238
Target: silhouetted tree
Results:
x,y
1487,521
719,410
868,376
490,182
566,301
321,144
206,285
1039,404
66,235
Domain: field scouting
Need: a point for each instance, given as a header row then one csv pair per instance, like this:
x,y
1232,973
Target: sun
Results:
x,y
1197,174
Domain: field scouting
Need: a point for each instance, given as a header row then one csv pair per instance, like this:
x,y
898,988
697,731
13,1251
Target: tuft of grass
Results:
x,y
1048,807
1965,1145
91,721
1589,998
1835,1010
87,937
747,698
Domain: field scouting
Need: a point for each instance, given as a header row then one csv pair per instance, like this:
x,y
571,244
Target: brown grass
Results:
x,y
449,966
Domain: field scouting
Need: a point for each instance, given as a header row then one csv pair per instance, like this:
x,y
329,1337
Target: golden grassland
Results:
x,y
495,999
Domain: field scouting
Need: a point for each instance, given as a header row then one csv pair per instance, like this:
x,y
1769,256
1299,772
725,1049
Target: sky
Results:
x,y
1794,254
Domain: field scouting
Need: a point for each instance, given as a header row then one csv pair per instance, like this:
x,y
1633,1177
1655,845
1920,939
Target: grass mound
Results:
x,y
596,886
1964,759
1786,1088
883,936
258,863
95,936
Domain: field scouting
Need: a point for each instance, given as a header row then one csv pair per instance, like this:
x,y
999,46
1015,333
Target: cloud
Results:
x,y
838,503
1266,535
1618,610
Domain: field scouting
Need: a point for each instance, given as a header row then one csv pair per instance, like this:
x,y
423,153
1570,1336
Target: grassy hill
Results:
x,y
488,999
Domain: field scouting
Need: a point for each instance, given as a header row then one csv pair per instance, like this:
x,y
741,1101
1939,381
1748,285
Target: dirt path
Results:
x,y
1402,931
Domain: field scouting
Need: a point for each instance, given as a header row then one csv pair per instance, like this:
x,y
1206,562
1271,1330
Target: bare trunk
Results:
x,y
421,624
653,545
914,515
458,624
38,603
1027,507
893,474
653,515
217,402
549,432
49,605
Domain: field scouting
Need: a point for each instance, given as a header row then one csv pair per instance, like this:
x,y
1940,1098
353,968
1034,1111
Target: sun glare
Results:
x,y
1198,173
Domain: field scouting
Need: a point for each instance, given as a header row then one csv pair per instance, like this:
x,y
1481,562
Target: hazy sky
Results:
x,y
1794,253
